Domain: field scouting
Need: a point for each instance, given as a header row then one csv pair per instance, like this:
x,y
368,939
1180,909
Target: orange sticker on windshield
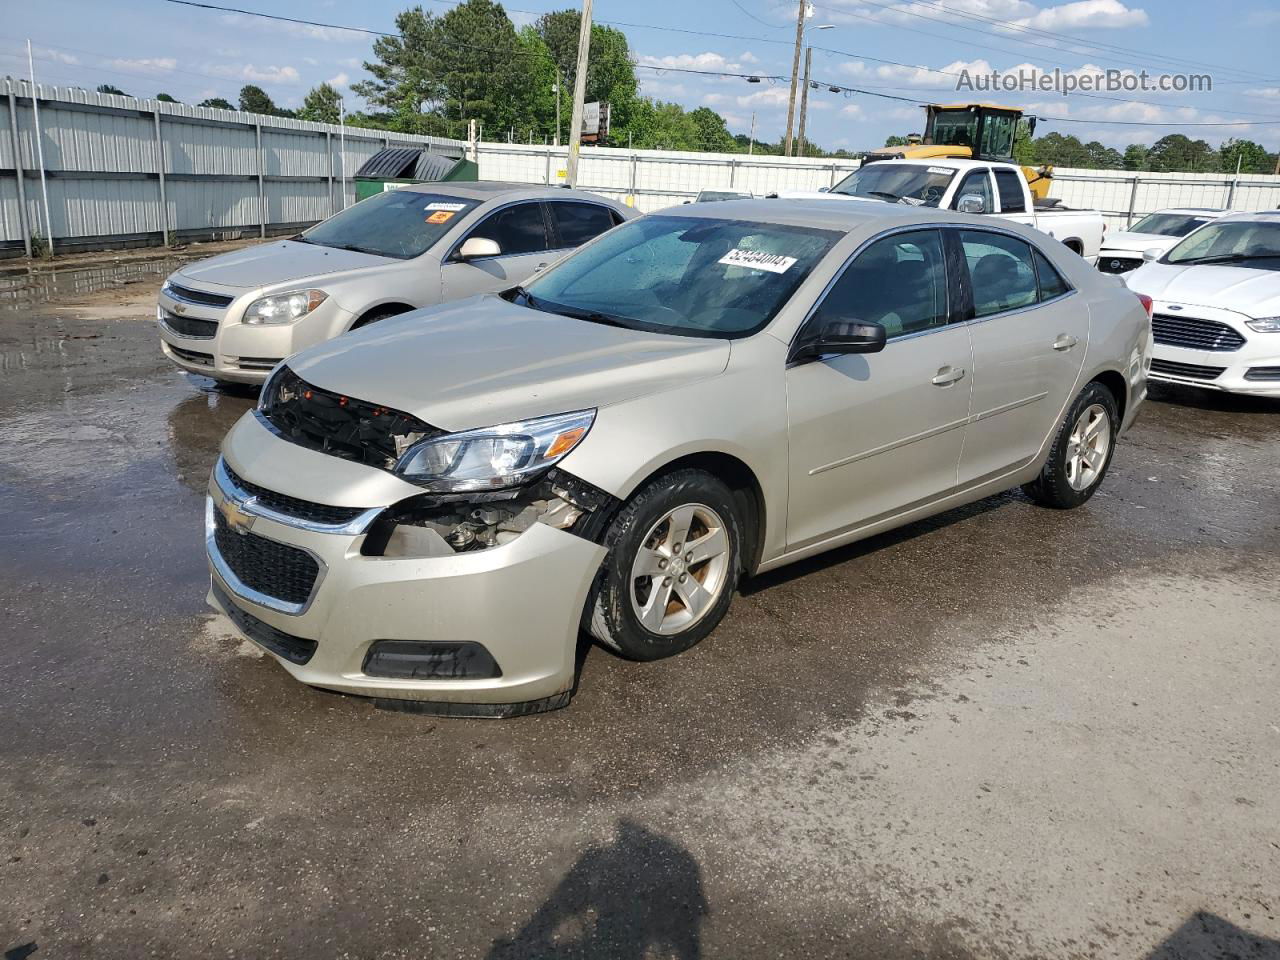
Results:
x,y
440,216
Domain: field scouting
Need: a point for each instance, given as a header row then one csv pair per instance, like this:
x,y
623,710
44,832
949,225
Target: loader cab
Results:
x,y
988,131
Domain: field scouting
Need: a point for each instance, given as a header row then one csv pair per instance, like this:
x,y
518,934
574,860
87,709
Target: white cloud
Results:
x,y
853,110
748,57
341,80
48,53
1266,93
145,65
253,74
327,34
1086,14
693,61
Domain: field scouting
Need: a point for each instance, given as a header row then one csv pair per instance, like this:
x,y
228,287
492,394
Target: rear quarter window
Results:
x,y
580,222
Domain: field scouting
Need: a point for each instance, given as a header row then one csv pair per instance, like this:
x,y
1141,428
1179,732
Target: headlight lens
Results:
x,y
1265,324
494,457
284,307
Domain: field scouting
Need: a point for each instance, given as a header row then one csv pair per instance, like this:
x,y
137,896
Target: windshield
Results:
x,y
1252,241
395,223
1169,224
690,276
919,186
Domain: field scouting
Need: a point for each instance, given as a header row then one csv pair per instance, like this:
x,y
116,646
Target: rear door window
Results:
x,y
1012,196
1051,282
519,228
1001,272
579,222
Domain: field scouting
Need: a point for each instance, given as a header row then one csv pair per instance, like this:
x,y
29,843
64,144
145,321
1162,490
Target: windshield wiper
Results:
x,y
591,316
1228,258
883,195
511,294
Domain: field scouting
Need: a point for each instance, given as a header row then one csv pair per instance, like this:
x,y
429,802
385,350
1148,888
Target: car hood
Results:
x,y
1255,293
483,361
278,262
1137,242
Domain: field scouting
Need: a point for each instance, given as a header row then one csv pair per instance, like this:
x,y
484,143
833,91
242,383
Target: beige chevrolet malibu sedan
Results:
x,y
431,510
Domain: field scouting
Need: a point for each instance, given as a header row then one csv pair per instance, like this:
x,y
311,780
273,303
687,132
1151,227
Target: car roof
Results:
x,y
484,190
1193,211
843,215
1259,216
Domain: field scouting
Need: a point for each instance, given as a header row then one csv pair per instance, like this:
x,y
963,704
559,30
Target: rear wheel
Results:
x,y
672,567
1081,451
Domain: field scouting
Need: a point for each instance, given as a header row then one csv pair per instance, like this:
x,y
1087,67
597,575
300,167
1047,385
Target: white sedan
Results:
x,y
1216,314
1123,251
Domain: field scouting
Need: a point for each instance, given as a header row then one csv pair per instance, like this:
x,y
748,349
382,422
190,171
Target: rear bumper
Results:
x,y
521,602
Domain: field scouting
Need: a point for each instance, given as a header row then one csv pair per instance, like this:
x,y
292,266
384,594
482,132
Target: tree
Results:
x,y
253,99
108,88
710,132
611,76
1252,157
166,98
217,103
1101,157
1135,157
1178,153
321,105
895,141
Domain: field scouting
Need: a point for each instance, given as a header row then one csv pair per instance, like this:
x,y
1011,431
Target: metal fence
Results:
x,y
650,180
125,172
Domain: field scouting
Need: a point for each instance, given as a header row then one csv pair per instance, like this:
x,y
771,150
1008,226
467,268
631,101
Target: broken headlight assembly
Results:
x,y
432,525
493,458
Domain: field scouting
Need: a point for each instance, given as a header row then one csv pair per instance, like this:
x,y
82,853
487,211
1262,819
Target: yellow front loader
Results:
x,y
970,131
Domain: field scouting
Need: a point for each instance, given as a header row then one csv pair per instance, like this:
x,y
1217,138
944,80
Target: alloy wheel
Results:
x,y
680,570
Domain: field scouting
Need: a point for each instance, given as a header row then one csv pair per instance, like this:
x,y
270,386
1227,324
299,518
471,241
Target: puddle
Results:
x,y
24,287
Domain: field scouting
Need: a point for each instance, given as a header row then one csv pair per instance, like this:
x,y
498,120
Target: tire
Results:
x,y
1069,478
626,612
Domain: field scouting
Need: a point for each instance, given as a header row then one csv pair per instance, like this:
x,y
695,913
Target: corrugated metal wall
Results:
x,y
656,179
103,163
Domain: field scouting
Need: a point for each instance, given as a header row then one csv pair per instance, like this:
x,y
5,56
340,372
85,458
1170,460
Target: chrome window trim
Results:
x,y
242,590
251,505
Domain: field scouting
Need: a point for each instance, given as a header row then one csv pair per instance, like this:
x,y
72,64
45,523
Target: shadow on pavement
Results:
x,y
639,896
1206,936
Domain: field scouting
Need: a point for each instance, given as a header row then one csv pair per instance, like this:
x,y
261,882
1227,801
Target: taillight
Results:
x,y
1147,304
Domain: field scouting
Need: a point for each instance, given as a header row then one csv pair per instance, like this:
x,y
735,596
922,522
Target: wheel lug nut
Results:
x,y
688,557
666,581
683,577
662,564
677,548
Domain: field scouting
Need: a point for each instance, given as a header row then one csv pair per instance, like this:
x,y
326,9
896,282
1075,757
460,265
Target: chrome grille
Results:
x,y
187,295
1195,334
1189,371
1108,264
193,328
293,506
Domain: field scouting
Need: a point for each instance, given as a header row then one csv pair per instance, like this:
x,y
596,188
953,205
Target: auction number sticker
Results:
x,y
942,170
772,262
451,207
440,216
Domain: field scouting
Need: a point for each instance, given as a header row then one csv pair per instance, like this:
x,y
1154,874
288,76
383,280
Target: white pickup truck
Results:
x,y
968,186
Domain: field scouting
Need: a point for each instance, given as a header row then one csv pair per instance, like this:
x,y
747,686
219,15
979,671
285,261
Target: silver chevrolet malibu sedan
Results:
x,y
433,510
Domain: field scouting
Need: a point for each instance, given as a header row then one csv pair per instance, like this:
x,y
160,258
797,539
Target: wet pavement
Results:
x,y
1004,732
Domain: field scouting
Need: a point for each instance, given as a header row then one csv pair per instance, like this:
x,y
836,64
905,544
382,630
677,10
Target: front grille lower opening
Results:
x,y
271,568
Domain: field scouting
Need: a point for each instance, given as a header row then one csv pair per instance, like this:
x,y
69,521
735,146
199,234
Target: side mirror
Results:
x,y
841,336
1152,253
972,203
824,189
475,248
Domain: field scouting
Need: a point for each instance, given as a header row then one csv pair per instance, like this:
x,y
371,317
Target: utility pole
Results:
x,y
752,145
795,73
556,88
804,101
44,185
579,94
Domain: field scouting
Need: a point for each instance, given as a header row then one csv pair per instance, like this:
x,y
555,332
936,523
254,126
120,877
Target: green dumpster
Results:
x,y
394,167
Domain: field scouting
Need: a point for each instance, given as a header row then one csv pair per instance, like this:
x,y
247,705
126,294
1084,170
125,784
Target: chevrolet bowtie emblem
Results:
x,y
179,308
236,517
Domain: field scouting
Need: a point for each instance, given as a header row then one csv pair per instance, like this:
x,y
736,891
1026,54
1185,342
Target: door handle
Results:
x,y
1065,342
539,267
948,375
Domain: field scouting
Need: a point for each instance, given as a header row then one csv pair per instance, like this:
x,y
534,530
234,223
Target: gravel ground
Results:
x,y
1005,732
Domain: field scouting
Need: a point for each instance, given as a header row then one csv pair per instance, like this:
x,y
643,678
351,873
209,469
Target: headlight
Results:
x,y
284,307
494,457
1265,324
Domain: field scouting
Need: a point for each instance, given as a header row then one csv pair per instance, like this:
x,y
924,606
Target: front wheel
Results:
x,y
671,569
1081,451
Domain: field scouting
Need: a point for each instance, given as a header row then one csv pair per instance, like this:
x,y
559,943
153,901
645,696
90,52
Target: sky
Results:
x,y
913,49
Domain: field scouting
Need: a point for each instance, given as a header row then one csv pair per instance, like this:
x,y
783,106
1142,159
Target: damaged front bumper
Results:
x,y
429,604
